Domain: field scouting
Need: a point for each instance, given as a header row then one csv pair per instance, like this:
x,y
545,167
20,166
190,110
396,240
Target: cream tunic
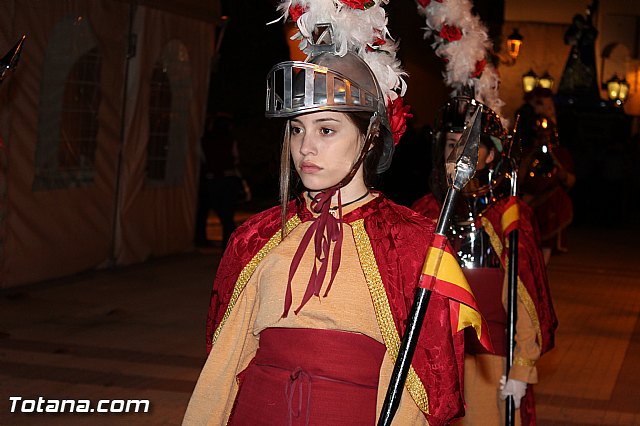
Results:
x,y
348,307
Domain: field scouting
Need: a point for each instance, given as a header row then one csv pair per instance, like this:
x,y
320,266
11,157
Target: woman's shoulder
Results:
x,y
259,227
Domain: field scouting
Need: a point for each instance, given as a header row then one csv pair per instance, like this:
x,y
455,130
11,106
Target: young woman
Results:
x,y
480,242
310,299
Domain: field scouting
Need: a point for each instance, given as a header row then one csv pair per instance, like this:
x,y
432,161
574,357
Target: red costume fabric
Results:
x,y
399,240
550,202
531,271
337,388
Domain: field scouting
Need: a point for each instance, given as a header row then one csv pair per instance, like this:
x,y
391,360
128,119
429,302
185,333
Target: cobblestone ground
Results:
x,y
137,333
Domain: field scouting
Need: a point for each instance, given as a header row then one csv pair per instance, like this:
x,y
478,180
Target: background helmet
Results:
x,y
487,184
329,82
454,113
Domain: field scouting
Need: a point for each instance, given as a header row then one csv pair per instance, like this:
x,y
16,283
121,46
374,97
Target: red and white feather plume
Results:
x,y
460,38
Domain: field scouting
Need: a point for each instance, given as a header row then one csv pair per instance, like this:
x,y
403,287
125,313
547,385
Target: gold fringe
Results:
x,y
250,268
383,311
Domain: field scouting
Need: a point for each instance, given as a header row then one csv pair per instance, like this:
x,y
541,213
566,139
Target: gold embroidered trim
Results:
x,y
523,294
250,268
383,311
524,362
493,237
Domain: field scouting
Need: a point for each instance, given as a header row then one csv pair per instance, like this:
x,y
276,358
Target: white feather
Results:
x,y
463,55
354,30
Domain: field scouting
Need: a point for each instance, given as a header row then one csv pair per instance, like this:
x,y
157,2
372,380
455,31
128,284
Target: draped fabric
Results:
x,y
399,240
52,228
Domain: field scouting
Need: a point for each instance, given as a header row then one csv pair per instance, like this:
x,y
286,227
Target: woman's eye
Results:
x,y
326,131
295,130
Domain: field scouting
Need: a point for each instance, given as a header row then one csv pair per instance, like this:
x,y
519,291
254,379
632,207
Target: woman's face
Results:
x,y
324,146
485,156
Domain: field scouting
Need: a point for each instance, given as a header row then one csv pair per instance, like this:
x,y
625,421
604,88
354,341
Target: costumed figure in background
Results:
x,y
310,299
546,170
460,38
478,237
221,184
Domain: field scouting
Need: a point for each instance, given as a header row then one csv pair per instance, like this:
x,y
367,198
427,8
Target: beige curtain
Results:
x,y
52,232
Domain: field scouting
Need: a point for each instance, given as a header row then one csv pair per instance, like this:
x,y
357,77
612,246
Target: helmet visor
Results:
x,y
295,87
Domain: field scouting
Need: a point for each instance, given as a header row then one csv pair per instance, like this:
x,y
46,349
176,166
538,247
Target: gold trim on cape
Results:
x,y
526,299
250,268
383,311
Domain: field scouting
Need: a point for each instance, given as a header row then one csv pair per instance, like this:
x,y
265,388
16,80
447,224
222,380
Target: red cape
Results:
x,y
399,239
531,271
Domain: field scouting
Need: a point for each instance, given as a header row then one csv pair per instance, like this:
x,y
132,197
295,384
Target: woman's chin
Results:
x,y
317,184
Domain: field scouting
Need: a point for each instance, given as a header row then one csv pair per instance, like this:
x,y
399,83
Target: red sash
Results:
x,y
310,377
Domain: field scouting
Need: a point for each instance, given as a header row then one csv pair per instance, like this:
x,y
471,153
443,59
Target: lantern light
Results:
x,y
514,42
546,81
624,90
529,81
613,87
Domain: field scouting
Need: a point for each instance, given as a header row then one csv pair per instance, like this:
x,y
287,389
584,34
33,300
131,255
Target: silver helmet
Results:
x,y
329,82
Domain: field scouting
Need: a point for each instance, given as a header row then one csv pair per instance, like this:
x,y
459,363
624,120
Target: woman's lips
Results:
x,y
309,167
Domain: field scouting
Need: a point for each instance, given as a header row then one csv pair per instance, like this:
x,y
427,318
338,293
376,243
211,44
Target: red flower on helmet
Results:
x,y
450,32
425,3
398,114
296,12
359,4
376,44
479,68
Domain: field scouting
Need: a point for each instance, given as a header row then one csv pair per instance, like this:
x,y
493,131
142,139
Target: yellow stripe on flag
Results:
x,y
442,265
470,317
510,216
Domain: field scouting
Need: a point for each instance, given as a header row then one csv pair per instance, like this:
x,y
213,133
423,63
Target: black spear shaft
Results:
x,y
462,168
512,306
414,325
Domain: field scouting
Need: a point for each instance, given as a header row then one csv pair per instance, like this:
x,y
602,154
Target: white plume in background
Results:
x,y
466,57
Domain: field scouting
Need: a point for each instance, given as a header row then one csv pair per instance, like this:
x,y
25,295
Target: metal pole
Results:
x,y
131,52
512,304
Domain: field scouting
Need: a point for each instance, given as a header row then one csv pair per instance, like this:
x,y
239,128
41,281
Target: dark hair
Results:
x,y
372,158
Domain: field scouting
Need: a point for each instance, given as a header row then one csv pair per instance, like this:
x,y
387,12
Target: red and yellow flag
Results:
x,y
442,274
510,219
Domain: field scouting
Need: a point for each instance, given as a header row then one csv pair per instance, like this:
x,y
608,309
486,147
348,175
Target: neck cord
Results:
x,y
360,198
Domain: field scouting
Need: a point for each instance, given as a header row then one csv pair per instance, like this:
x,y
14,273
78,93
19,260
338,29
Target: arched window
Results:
x,y
68,110
169,112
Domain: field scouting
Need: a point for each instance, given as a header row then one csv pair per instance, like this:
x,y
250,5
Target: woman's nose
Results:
x,y
308,145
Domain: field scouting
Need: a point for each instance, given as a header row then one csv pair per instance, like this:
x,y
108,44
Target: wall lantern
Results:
x,y
546,81
617,90
529,81
514,42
